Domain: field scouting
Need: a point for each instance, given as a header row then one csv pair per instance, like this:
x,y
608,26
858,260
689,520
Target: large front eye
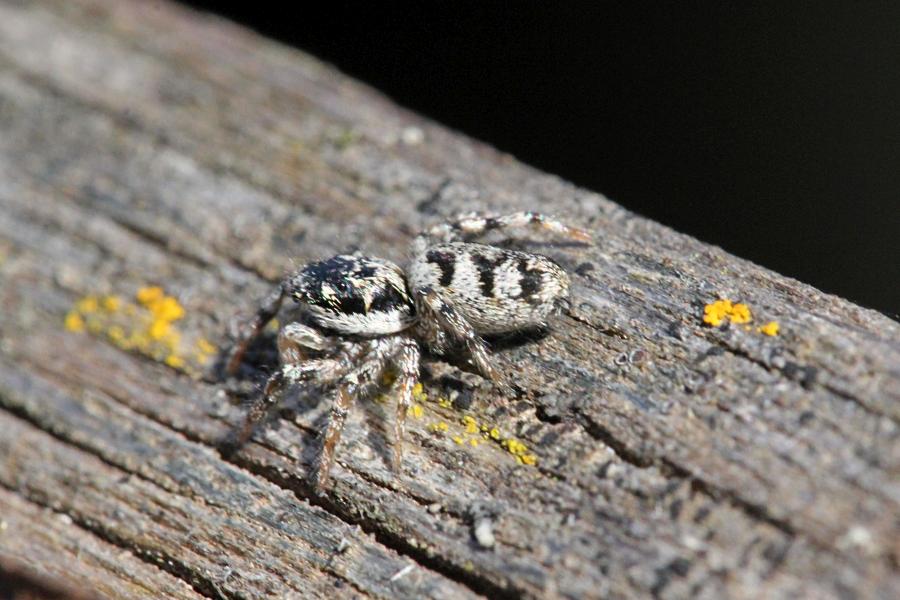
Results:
x,y
342,287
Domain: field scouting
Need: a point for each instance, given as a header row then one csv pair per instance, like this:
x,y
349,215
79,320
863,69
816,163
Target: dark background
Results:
x,y
771,130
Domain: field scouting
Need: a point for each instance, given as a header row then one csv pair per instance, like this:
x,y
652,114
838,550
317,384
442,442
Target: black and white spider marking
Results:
x,y
363,314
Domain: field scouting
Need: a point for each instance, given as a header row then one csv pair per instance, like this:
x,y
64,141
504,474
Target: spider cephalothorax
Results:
x,y
354,294
363,315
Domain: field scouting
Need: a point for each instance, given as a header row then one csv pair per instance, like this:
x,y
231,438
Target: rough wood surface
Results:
x,y
142,144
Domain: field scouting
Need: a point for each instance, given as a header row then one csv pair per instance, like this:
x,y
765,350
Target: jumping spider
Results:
x,y
363,314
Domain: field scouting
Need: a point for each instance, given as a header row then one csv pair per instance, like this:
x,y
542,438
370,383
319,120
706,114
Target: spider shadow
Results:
x,y
529,245
260,353
246,384
515,339
459,358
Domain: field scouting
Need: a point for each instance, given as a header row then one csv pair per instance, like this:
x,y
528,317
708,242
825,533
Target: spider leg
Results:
x,y
407,361
312,370
250,329
339,409
459,330
295,340
470,226
374,356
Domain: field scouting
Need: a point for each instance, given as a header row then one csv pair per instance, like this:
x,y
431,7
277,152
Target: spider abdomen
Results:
x,y
496,290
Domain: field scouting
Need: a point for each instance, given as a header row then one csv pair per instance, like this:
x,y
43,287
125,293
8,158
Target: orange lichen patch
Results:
x,y
148,295
528,459
111,303
174,361
520,451
204,350
87,305
474,434
74,322
164,308
469,431
719,311
514,446
771,328
145,325
419,394
471,424
160,330
740,313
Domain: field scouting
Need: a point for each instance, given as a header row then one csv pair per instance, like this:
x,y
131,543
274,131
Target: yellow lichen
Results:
x,y
415,411
159,329
474,434
419,394
489,433
203,350
145,325
148,295
204,346
718,312
515,446
771,328
111,303
174,361
167,309
470,423
74,322
740,313
88,304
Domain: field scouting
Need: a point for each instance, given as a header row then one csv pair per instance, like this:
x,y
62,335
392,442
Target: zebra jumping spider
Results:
x,y
363,314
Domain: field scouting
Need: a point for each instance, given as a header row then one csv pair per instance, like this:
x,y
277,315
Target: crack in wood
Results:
x,y
167,563
479,585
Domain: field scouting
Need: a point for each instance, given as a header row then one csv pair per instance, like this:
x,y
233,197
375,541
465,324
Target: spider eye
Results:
x,y
343,287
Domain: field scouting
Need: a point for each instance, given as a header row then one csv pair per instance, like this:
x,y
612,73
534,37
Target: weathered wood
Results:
x,y
62,551
143,144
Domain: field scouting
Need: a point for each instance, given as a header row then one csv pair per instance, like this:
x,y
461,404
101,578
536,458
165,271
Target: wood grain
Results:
x,y
142,144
